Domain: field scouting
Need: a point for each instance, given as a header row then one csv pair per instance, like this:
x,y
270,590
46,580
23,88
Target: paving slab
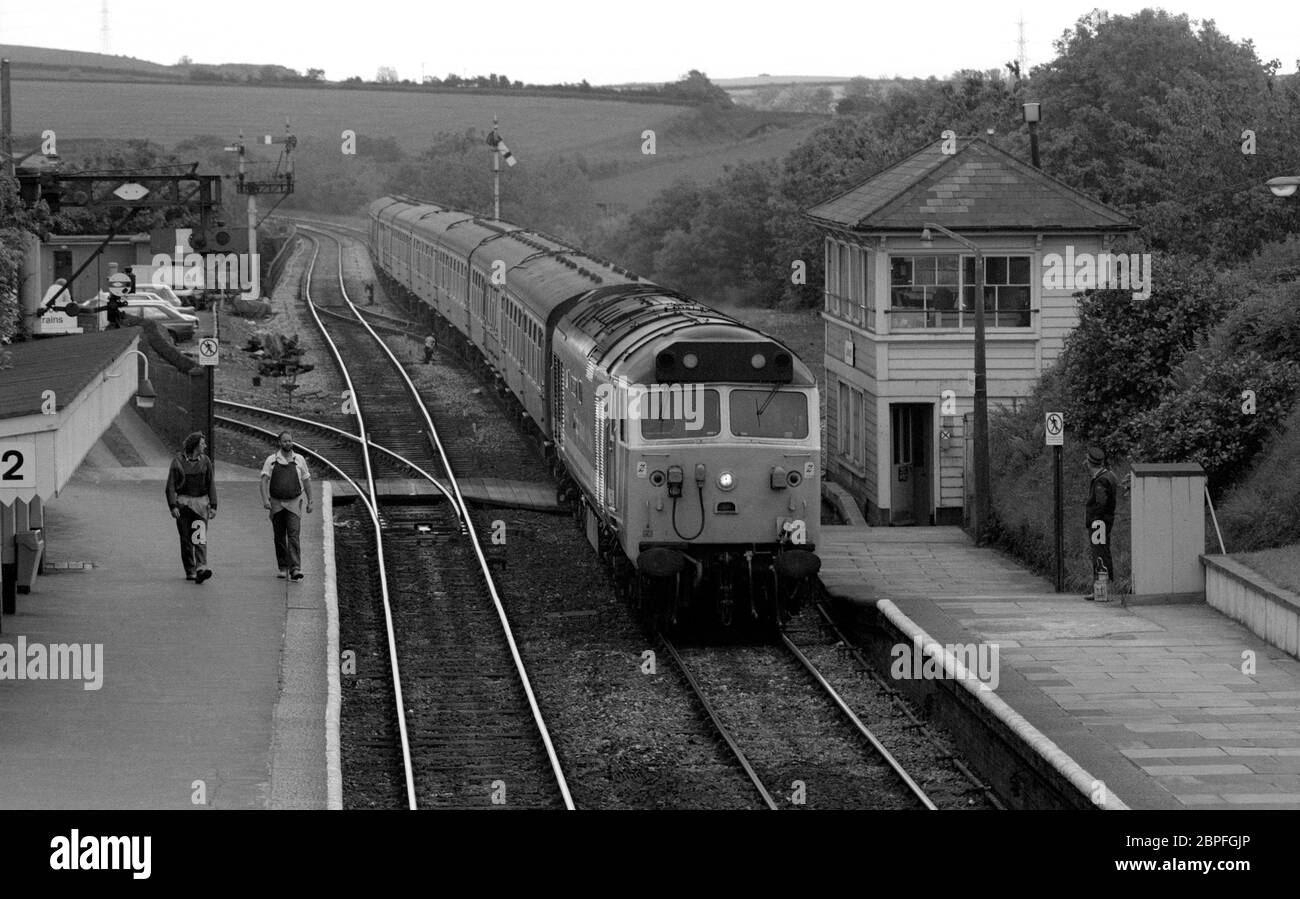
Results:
x,y
189,711
1152,700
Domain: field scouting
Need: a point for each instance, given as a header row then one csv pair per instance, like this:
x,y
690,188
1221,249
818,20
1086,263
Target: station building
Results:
x,y
900,325
59,396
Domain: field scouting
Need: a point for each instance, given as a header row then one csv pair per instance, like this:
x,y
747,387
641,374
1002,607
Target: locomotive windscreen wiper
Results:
x,y
767,402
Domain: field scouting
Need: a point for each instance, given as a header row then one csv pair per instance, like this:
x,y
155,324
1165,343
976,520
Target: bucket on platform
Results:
x,y
1101,587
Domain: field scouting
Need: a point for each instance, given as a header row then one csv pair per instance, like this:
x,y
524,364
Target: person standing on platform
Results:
x,y
430,344
1099,513
286,489
192,497
370,293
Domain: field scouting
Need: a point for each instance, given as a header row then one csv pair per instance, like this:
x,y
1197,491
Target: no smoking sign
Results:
x,y
208,350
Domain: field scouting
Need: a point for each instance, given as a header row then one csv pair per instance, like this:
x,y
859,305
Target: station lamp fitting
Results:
x,y
1032,112
145,395
1284,185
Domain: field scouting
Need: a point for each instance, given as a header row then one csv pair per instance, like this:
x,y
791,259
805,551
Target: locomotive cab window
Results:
x,y
768,413
678,422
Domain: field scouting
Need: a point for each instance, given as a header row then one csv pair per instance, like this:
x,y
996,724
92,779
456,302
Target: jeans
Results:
x,y
194,556
286,525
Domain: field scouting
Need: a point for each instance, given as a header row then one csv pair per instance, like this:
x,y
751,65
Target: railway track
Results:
x,y
811,753
797,740
458,701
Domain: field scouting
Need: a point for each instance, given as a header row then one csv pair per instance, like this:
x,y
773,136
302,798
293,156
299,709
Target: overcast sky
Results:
x,y
605,42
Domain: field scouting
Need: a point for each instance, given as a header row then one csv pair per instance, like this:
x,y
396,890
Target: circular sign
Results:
x,y
1055,429
208,351
119,285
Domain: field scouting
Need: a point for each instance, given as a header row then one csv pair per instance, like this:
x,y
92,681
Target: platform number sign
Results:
x,y
17,468
208,351
1055,430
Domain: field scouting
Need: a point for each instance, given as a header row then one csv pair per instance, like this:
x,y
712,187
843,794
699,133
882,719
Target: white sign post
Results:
x,y
1055,430
1054,433
208,351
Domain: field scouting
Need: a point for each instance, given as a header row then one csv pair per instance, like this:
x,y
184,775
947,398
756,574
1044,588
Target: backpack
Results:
x,y
284,480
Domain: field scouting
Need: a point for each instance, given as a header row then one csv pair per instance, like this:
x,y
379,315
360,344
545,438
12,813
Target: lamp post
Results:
x,y
1032,113
145,395
981,384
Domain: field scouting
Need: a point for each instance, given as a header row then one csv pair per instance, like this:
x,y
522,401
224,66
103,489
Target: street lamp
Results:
x,y
1284,185
1032,113
981,384
145,395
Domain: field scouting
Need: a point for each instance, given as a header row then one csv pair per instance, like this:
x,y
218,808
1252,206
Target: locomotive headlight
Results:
x,y
758,360
726,481
690,360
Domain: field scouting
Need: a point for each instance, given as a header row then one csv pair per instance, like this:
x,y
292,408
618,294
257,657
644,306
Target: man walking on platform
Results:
x,y
192,497
286,487
430,344
1100,514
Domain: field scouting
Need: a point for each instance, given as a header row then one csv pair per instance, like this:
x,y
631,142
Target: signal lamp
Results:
x,y
726,481
758,360
690,360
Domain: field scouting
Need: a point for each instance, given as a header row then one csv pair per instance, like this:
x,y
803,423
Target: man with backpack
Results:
x,y
286,487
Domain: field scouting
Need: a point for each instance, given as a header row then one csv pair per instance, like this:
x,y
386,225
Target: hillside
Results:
x,y
46,62
640,180
168,113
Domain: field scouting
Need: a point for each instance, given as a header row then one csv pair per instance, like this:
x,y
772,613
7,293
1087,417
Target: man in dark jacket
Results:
x,y
1099,513
192,497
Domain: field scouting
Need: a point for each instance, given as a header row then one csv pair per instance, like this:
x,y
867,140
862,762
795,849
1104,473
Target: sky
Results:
x,y
608,42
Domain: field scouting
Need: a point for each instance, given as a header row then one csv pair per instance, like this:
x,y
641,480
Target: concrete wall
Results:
x,y
1268,610
181,384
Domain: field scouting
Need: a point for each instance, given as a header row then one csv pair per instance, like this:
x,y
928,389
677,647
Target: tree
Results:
x,y
315,74
386,75
696,86
184,61
15,222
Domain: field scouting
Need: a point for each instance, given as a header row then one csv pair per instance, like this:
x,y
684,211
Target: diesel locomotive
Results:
x,y
688,442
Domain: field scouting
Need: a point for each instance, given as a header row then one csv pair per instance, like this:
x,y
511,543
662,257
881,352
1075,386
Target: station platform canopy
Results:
x,y
57,398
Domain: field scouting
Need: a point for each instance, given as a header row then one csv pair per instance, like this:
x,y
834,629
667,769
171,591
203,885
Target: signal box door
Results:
x,y
909,471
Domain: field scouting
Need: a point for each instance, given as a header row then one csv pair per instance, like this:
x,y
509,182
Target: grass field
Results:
x,y
167,113
1280,565
650,174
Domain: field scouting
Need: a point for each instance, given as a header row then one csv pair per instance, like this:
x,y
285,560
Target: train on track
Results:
x,y
688,442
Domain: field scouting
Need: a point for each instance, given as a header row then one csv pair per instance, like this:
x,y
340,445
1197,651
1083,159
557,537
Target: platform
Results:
x,y
1151,700
211,692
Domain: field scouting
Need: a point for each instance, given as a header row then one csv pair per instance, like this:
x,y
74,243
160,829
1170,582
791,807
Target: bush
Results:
x,y
1204,417
1263,509
1021,480
1118,359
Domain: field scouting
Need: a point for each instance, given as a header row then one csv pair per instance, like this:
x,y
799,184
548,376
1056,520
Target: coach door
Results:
x,y
910,450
